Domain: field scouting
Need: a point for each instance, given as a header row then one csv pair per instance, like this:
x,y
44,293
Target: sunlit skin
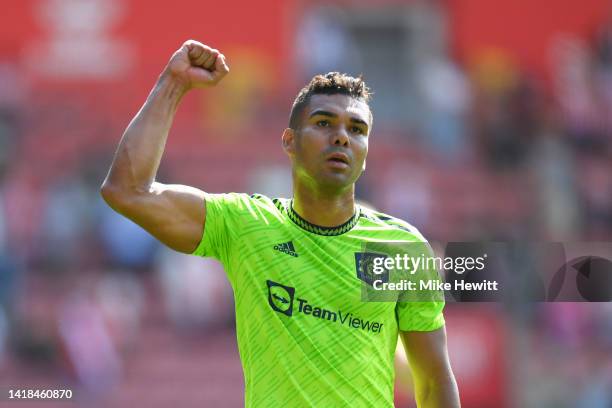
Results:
x,y
328,154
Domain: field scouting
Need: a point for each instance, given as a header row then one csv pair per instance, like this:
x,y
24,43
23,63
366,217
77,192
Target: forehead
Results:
x,y
339,104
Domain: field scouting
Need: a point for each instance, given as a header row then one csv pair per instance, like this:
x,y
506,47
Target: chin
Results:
x,y
335,181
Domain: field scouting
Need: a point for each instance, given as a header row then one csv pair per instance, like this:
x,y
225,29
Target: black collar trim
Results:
x,y
320,230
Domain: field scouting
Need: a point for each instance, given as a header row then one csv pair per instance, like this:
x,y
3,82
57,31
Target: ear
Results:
x,y
288,140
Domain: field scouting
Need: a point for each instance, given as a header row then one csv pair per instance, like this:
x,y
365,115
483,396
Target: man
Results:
x,y
305,336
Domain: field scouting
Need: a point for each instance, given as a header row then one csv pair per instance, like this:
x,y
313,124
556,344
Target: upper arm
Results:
x,y
435,384
174,214
427,352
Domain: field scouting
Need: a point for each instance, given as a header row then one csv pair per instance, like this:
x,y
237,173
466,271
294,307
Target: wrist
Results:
x,y
172,85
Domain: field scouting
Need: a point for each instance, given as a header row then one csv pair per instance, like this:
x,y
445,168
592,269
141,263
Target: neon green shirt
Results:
x,y
305,336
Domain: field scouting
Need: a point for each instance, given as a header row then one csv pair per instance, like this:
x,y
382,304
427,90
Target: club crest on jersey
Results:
x,y
280,297
364,265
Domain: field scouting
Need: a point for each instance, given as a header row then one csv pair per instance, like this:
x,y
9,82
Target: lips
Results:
x,y
340,158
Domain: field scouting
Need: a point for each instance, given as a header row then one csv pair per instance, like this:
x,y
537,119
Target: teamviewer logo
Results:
x,y
280,297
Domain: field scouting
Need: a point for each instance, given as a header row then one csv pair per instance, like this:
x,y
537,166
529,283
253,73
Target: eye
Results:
x,y
323,123
356,129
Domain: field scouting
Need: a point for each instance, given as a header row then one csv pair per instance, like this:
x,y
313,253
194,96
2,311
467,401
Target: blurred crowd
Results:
x,y
485,150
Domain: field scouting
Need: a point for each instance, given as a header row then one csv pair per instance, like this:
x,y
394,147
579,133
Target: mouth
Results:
x,y
338,160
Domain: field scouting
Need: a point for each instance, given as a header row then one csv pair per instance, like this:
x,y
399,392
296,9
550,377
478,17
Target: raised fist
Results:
x,y
197,65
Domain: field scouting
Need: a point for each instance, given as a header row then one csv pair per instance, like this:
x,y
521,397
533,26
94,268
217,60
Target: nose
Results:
x,y
340,138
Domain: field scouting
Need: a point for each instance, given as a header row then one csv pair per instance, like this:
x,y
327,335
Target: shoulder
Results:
x,y
252,205
261,199
239,199
385,221
275,205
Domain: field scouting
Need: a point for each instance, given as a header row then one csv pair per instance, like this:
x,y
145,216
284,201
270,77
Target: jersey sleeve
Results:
x,y
420,316
222,226
424,309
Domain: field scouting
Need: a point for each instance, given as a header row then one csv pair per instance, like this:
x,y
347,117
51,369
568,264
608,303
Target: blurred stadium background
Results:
x,y
493,121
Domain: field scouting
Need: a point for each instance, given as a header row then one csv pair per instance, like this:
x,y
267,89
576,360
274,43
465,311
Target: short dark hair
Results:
x,y
328,84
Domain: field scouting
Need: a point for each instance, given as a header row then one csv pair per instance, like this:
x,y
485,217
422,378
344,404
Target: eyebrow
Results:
x,y
320,112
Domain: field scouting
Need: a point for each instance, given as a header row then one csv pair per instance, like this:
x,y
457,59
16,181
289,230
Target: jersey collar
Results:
x,y
318,229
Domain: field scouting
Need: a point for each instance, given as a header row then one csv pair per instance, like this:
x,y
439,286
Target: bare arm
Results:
x,y
435,385
174,214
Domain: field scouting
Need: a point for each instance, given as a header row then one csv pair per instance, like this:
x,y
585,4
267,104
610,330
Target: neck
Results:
x,y
322,208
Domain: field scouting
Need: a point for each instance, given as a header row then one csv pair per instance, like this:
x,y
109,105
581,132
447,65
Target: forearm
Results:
x,y
141,148
437,393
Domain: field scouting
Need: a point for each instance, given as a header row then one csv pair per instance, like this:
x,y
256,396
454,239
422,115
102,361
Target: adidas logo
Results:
x,y
287,248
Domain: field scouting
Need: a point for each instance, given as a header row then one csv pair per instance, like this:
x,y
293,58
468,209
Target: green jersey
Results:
x,y
305,336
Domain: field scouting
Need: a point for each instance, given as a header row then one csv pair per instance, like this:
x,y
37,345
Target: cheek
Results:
x,y
361,147
305,149
310,142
